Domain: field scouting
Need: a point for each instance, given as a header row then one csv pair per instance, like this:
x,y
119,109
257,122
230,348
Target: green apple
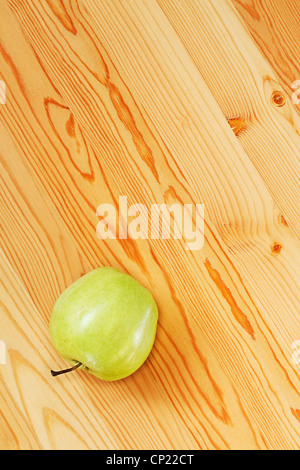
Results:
x,y
104,323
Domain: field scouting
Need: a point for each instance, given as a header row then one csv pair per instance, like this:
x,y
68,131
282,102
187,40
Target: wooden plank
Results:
x,y
50,411
274,27
106,101
245,86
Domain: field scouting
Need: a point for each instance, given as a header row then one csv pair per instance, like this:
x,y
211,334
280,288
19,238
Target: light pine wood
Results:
x,y
160,101
244,84
274,26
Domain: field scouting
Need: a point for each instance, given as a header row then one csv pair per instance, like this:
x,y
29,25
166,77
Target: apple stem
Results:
x,y
65,371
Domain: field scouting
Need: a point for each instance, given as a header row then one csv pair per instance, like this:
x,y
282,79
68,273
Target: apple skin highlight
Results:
x,y
107,322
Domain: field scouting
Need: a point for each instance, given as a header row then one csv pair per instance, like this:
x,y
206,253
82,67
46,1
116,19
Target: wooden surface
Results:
x,y
136,98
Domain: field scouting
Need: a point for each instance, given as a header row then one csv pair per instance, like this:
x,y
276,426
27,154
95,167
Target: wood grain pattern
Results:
x,y
274,26
160,101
